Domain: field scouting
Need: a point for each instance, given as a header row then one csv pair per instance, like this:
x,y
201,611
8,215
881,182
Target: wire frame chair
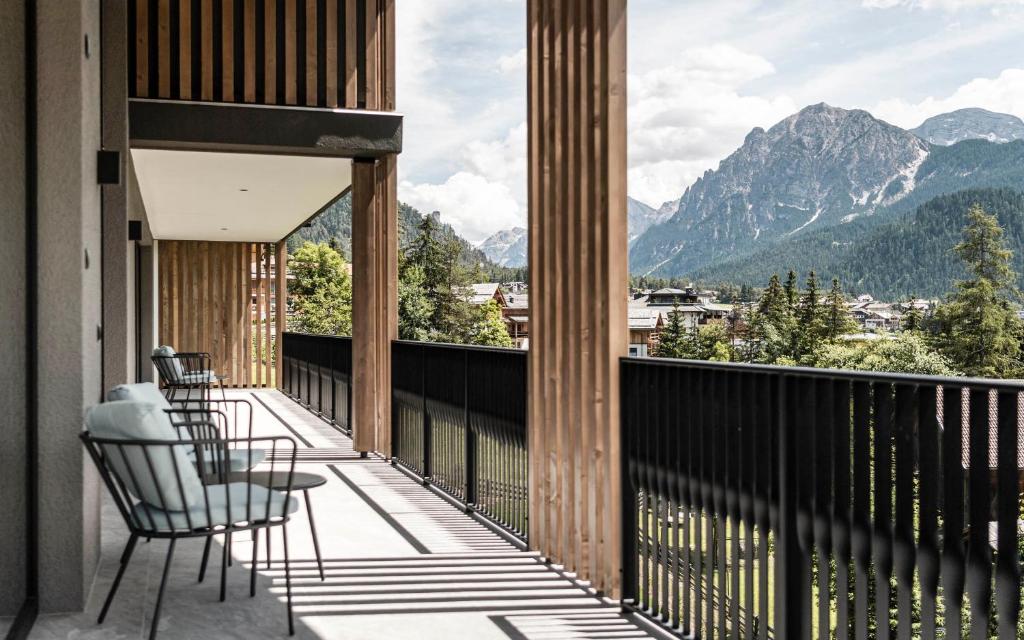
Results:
x,y
128,466
187,372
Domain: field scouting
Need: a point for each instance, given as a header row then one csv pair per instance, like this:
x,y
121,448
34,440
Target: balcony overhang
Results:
x,y
262,129
242,172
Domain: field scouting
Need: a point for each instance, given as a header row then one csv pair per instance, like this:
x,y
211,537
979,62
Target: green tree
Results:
x,y
899,353
488,327
672,339
979,329
415,309
913,320
771,326
321,291
792,290
811,321
836,316
445,281
708,342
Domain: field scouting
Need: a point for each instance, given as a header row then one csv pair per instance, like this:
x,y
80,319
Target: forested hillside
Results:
x,y
911,256
336,224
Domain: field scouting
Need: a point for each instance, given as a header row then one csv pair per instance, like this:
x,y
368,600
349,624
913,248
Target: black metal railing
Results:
x,y
459,422
317,372
769,502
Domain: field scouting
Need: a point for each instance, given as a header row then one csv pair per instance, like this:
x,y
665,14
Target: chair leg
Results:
x,y
268,548
312,530
206,558
125,557
160,593
288,579
252,573
224,569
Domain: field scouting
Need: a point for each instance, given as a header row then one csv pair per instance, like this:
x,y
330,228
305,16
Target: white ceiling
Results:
x,y
198,195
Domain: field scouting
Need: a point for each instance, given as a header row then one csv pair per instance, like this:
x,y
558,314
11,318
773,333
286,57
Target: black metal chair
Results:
x,y
160,494
187,372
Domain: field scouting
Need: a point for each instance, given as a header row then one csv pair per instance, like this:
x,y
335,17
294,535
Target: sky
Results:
x,y
702,74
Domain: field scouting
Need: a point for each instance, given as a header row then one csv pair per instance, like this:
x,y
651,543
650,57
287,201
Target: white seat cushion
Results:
x,y
240,459
242,496
199,377
152,478
144,392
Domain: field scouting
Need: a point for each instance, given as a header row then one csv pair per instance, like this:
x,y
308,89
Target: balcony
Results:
x,y
753,492
400,562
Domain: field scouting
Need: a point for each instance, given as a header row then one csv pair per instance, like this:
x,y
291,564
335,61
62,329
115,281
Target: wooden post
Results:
x,y
280,308
578,271
374,301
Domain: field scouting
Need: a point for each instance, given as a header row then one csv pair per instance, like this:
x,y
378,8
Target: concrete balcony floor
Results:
x,y
400,562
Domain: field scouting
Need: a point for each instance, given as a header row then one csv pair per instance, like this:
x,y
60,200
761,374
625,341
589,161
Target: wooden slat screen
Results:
x,y
221,297
578,332
314,53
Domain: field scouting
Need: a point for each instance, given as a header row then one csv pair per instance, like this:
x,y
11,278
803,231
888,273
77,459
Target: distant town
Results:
x,y
649,312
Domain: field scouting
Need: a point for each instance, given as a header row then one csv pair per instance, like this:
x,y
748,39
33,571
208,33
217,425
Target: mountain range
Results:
x,y
829,171
823,170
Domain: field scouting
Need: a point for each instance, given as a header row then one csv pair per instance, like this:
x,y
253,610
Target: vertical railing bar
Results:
x,y
979,560
1008,512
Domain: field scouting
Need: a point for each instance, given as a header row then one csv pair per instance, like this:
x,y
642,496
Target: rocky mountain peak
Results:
x,y
819,166
970,124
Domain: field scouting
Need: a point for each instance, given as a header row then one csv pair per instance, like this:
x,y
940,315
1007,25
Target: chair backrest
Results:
x,y
168,365
162,476
139,392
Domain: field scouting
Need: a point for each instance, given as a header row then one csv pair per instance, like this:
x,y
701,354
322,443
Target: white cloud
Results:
x,y
513,63
487,195
684,118
473,204
946,5
1003,94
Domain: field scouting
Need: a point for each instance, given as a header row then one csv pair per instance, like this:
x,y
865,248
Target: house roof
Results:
x,y
482,292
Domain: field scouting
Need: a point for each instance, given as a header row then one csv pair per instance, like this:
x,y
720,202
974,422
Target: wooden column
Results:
x,y
578,272
280,307
374,301
374,246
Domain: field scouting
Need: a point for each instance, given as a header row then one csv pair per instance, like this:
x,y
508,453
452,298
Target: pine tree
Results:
x,y
792,291
445,281
810,320
913,320
979,328
771,328
837,319
672,339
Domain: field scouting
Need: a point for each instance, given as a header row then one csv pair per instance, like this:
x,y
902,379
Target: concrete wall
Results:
x,y
118,251
70,295
12,306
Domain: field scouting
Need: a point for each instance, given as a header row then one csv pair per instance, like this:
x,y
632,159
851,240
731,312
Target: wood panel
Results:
x,y
217,297
578,329
294,52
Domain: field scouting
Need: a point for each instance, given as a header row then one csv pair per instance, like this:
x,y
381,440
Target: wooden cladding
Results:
x,y
222,298
314,53
578,331
374,300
